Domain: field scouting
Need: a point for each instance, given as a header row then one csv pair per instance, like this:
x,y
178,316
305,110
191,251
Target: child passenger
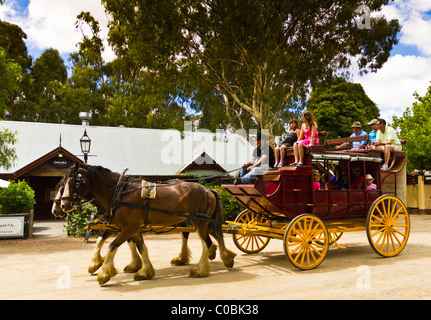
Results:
x,y
316,176
292,136
369,185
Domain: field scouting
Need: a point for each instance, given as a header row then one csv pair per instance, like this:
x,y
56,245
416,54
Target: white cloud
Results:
x,y
51,24
415,22
393,86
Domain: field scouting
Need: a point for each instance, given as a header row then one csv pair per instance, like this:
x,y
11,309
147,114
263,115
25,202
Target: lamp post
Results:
x,y
85,142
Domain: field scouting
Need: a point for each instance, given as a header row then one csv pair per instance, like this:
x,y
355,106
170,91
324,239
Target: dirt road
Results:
x,y
56,268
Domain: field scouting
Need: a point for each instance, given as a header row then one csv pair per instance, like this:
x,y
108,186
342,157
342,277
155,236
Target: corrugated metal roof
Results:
x,y
143,151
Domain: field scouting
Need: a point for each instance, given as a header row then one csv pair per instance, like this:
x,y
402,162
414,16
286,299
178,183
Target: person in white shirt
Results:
x,y
386,140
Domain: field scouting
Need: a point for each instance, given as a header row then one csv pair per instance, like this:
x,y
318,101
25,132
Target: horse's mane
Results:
x,y
94,170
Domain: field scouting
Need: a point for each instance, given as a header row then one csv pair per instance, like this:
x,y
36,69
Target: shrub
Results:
x,y
231,206
17,198
77,220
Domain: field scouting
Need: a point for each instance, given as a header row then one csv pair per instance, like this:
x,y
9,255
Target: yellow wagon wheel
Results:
x,y
249,243
306,241
388,226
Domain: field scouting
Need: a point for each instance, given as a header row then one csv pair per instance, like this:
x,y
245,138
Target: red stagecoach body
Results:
x,y
288,191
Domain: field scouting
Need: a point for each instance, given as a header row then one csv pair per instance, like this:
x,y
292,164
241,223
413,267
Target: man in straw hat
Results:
x,y
357,132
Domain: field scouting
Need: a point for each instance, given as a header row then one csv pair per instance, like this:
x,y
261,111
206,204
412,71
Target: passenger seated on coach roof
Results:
x,y
292,136
261,160
373,133
308,137
386,140
357,132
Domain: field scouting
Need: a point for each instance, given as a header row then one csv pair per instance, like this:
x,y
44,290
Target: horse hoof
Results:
x,y
179,261
102,279
93,268
131,269
212,251
196,273
228,258
144,274
141,277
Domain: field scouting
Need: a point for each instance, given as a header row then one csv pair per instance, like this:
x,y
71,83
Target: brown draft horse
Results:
x,y
183,201
97,259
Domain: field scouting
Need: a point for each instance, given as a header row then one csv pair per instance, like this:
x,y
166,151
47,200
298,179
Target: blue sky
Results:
x,y
50,23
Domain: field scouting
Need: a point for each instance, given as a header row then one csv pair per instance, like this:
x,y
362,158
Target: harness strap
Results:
x,y
178,214
117,194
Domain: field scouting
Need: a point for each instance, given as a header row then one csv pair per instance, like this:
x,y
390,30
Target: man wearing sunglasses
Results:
x,y
386,140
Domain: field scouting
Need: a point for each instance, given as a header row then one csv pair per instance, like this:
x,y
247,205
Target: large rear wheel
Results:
x,y
388,226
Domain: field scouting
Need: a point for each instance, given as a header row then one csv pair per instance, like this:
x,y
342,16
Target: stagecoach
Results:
x,y
282,204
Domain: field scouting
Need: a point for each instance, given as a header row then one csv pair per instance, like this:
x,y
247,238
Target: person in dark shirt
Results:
x,y
337,182
291,138
261,160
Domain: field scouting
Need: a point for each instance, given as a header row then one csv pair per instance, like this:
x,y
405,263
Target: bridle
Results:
x,y
76,198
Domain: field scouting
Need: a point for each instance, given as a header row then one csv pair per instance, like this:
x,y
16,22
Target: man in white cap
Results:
x,y
387,140
357,132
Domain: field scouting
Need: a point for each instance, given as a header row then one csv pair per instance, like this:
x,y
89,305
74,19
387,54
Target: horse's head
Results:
x,y
76,187
56,208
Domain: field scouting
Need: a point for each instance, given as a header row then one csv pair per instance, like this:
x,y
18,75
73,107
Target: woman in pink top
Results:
x,y
309,136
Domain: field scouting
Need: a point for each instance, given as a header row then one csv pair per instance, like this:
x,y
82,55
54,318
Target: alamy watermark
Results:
x,y
223,147
363,282
64,280
363,21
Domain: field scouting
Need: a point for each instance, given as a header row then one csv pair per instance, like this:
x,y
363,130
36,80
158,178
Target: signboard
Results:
x,y
12,226
60,162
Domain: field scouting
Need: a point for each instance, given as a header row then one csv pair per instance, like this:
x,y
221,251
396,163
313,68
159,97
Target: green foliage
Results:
x,y
7,152
250,57
10,73
18,197
231,206
337,104
77,220
232,64
415,127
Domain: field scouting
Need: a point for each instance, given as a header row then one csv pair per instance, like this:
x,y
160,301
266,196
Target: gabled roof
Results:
x,y
147,152
42,160
203,162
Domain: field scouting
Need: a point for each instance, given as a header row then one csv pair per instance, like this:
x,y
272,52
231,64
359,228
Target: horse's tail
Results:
x,y
215,229
218,212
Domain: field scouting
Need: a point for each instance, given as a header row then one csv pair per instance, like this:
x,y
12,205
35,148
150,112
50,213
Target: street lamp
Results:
x,y
85,142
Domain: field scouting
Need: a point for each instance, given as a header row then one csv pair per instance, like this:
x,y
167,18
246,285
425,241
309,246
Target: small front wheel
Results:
x,y
306,241
249,243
